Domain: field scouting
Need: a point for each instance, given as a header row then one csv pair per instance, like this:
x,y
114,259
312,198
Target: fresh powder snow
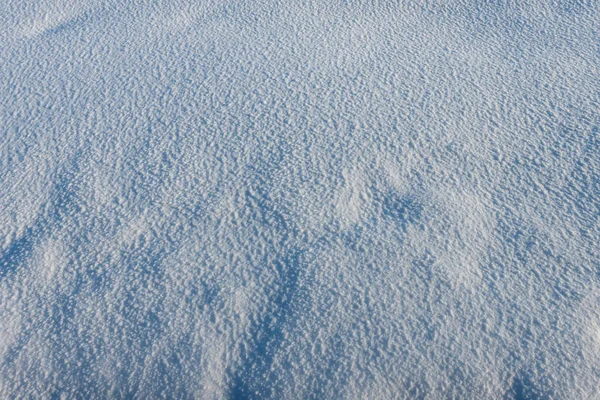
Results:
x,y
311,199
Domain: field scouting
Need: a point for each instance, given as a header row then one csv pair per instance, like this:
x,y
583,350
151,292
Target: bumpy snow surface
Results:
x,y
300,199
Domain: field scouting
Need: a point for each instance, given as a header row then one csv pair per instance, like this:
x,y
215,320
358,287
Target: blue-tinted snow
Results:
x,y
300,199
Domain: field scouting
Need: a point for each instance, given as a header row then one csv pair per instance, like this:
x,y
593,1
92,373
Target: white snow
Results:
x,y
300,199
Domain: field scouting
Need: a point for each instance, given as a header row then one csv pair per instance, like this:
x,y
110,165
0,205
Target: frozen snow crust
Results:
x,y
300,199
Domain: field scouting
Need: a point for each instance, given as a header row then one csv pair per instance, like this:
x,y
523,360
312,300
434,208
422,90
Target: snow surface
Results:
x,y
300,199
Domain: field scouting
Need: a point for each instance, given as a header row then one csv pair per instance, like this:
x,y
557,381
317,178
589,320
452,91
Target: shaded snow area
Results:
x,y
311,199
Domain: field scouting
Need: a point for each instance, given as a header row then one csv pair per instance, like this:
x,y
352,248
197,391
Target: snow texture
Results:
x,y
312,199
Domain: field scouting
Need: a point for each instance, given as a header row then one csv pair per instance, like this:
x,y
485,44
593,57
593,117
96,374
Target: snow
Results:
x,y
300,199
